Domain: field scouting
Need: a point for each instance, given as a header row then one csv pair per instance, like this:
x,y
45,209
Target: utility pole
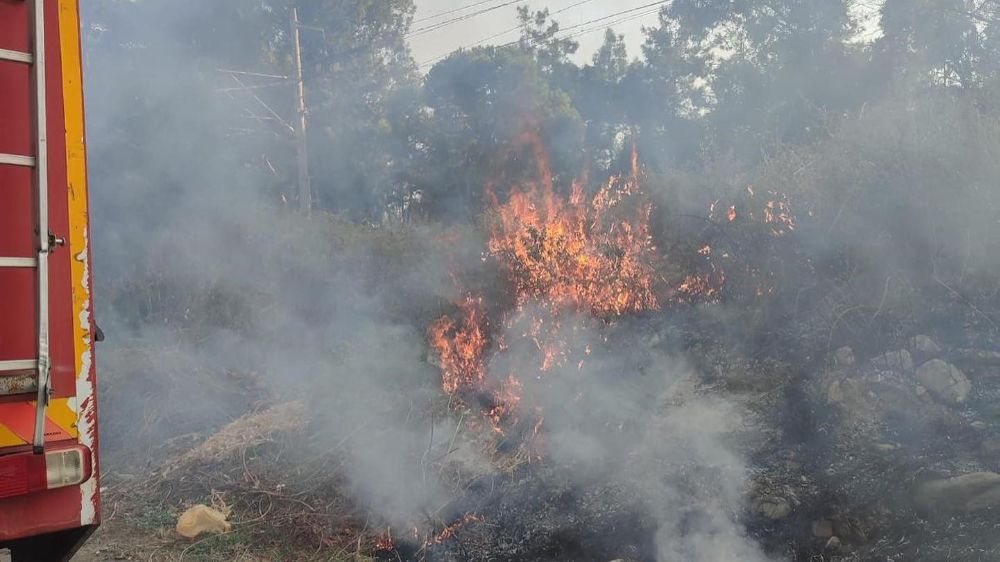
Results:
x,y
305,187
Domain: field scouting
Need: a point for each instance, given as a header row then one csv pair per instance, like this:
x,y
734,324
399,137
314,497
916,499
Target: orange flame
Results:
x,y
578,253
450,530
592,255
461,346
384,541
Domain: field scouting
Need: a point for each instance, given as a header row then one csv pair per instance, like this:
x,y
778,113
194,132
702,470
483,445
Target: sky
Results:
x,y
430,44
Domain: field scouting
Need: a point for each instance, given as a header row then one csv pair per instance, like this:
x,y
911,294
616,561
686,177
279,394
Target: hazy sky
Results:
x,y
430,44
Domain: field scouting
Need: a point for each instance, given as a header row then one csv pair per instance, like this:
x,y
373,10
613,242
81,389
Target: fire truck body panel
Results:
x,y
29,508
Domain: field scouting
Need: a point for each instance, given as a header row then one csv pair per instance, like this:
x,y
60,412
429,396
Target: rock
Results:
x,y
773,507
899,360
833,544
200,519
853,399
968,493
822,528
843,357
944,381
848,393
924,344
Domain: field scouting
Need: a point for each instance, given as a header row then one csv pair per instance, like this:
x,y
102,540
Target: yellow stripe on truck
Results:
x,y
64,416
76,175
8,438
59,414
83,405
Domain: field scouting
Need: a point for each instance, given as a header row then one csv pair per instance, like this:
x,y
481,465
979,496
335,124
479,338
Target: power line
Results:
x,y
445,23
603,19
453,10
516,27
570,7
572,27
616,14
607,25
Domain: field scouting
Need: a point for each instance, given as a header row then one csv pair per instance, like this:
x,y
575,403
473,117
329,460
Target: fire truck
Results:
x,y
49,493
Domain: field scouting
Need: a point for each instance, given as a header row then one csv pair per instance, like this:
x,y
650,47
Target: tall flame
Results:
x,y
461,346
591,256
575,253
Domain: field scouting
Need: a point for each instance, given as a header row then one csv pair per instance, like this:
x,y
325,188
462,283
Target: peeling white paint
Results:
x,y
83,403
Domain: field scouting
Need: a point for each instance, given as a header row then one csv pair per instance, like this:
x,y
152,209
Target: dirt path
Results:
x,y
115,540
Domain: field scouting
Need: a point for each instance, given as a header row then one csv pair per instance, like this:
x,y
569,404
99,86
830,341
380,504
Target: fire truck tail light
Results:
x,y
66,468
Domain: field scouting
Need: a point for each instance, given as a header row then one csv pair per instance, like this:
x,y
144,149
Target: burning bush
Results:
x,y
569,263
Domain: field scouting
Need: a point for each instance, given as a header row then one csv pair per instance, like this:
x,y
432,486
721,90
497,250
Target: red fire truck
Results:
x,y
49,494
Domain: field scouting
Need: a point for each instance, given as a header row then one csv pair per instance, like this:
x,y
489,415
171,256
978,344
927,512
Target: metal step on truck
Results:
x,y
49,492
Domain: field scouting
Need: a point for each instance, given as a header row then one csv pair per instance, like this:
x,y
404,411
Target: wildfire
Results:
x,y
506,401
449,531
776,211
461,346
575,252
579,255
697,286
584,253
384,541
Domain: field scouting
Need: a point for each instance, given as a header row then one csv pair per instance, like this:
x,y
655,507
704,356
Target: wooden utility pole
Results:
x,y
305,187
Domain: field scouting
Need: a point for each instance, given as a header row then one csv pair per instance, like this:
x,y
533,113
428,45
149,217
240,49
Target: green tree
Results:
x,y
361,88
778,67
665,96
940,42
481,102
598,97
539,37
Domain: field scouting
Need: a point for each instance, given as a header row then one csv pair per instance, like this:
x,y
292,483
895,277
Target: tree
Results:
x,y
777,67
360,86
598,96
481,102
539,37
360,77
665,96
940,42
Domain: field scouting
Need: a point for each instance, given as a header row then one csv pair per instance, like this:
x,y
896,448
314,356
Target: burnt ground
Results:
x,y
851,459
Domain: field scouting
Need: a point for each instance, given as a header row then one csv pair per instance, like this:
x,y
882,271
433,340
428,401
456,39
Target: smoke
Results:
x,y
637,419
194,254
204,266
201,270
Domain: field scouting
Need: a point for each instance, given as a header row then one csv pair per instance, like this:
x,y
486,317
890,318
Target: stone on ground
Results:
x,y
968,493
944,381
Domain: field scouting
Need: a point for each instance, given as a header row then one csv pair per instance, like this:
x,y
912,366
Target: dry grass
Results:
x,y
247,431
256,468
